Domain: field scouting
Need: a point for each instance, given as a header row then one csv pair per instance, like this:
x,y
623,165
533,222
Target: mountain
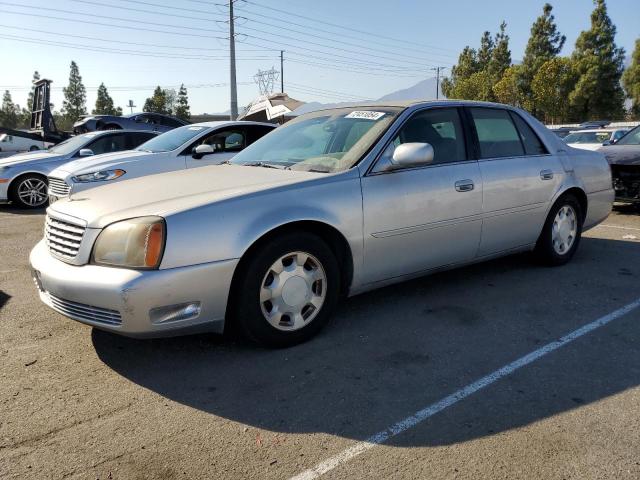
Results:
x,y
424,90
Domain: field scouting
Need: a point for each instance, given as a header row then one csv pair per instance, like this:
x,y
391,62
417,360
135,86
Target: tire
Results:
x,y
556,247
309,280
21,191
33,148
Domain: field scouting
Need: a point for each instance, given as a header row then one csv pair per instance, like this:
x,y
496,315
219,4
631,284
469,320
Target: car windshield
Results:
x,y
325,141
631,138
72,144
587,137
172,139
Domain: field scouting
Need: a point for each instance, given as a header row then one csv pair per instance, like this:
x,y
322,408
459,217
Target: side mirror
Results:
x,y
202,150
412,155
85,152
607,142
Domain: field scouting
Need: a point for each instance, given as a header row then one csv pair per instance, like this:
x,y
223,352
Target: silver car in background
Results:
x,y
23,177
333,203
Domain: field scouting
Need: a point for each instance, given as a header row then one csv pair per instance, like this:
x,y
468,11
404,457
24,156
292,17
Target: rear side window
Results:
x,y
497,134
531,142
134,140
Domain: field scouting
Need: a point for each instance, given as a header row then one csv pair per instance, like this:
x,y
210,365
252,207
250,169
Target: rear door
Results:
x,y
519,179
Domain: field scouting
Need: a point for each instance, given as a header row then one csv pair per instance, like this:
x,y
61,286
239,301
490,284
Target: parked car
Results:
x,y
562,132
16,143
155,122
594,139
335,202
624,158
190,146
23,177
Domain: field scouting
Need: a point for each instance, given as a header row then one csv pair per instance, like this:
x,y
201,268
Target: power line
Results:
x,y
349,28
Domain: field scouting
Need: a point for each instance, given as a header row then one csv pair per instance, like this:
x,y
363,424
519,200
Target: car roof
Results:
x,y
231,123
100,133
404,104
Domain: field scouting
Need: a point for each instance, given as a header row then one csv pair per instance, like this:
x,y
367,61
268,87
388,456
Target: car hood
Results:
x,y
102,162
622,154
171,192
28,157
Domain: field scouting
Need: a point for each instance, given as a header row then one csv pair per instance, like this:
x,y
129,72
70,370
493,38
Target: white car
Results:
x,y
196,145
593,139
16,143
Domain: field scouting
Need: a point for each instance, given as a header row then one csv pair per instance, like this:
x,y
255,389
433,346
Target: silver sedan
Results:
x,y
333,203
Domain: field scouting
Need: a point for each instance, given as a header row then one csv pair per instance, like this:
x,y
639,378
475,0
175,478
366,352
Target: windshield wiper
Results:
x,y
262,164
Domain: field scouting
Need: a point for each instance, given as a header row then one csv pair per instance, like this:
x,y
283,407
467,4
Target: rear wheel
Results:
x,y
286,291
29,191
562,231
33,148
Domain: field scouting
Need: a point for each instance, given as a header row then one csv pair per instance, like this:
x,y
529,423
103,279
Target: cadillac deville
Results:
x,y
331,204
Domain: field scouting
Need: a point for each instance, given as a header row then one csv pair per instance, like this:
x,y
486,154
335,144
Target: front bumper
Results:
x,y
119,300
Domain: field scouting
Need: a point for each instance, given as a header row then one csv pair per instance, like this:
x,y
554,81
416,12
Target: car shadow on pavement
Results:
x,y
10,209
392,352
4,298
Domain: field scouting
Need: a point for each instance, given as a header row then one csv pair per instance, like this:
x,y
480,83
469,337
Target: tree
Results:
x,y
507,89
104,103
631,80
545,43
159,102
75,95
551,88
467,66
182,109
500,54
477,71
599,64
8,112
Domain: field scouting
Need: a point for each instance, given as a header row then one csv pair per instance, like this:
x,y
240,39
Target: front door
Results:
x,y
225,142
417,219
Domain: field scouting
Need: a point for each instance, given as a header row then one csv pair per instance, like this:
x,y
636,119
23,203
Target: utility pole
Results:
x,y
437,70
232,55
281,71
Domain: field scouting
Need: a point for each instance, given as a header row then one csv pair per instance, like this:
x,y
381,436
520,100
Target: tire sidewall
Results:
x,y
246,311
545,243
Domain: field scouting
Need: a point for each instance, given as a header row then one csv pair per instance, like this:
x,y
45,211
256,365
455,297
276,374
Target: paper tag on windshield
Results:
x,y
365,115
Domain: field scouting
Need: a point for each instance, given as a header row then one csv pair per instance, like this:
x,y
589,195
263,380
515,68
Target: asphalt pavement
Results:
x,y
78,403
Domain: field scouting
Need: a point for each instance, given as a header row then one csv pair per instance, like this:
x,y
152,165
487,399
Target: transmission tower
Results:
x,y
266,80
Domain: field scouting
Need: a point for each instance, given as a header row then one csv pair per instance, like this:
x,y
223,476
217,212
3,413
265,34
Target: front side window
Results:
x,y
631,138
439,127
497,135
221,141
324,141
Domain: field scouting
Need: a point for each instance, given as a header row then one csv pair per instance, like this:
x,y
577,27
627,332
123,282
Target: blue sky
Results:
x,y
385,46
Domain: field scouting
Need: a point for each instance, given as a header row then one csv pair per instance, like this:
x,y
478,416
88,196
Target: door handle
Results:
x,y
464,185
546,174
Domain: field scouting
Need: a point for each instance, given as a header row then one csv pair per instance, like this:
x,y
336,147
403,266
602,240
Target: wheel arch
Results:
x,y
328,233
580,195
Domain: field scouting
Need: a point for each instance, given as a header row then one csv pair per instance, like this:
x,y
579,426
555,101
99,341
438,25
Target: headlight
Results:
x,y
101,176
134,243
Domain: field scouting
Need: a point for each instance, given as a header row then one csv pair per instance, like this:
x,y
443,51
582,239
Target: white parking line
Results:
x,y
429,411
618,226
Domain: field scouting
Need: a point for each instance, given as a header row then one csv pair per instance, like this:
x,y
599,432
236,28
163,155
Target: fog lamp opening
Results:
x,y
175,313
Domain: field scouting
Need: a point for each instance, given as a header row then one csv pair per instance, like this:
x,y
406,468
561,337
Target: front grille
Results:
x,y
63,238
58,187
84,312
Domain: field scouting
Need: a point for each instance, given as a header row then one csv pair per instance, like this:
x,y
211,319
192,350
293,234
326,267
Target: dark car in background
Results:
x,y
624,158
155,122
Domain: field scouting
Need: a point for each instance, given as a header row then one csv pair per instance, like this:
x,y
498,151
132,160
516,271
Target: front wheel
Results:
x,y
33,148
29,191
286,291
561,233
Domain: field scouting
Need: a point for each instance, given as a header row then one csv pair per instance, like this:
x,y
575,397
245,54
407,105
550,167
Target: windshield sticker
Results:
x,y
365,115
196,128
